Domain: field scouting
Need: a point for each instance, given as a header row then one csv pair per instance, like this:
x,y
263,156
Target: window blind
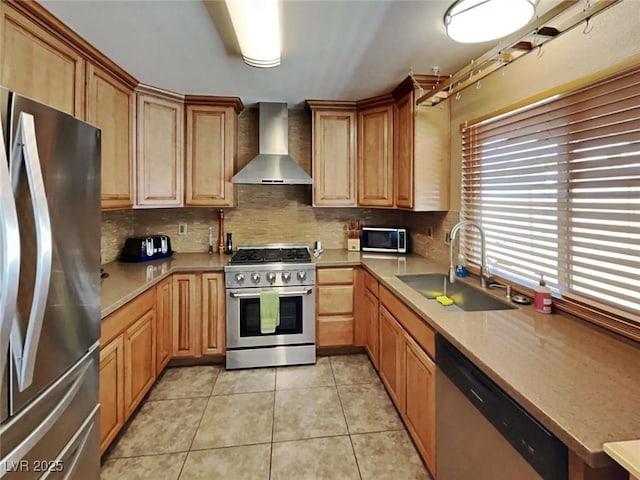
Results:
x,y
556,186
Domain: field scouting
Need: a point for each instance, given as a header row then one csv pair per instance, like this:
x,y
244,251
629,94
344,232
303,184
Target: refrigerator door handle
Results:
x,y
26,145
9,254
69,459
18,453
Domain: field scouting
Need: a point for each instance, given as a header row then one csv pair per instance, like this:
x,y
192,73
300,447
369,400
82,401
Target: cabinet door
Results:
x,y
36,64
420,411
375,157
111,391
391,366
109,106
159,147
334,158
186,310
213,314
164,338
139,360
403,151
372,327
210,157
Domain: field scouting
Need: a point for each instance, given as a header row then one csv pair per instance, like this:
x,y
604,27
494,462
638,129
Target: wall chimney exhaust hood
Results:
x,y
273,165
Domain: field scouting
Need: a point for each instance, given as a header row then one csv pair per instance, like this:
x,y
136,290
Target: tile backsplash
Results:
x,y
269,213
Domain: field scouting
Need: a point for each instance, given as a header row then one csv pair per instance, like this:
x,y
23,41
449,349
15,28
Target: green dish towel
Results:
x,y
269,311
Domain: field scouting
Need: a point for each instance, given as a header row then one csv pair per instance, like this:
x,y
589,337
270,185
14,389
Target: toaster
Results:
x,y
142,249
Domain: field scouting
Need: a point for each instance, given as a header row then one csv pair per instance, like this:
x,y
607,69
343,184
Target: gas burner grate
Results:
x,y
250,256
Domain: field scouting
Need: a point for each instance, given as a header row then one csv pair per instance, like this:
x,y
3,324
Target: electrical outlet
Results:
x,y
182,229
447,238
430,231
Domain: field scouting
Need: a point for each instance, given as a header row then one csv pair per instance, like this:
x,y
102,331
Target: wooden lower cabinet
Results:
x,y
139,360
335,307
198,314
186,315
164,330
127,362
111,391
408,373
213,314
372,327
391,368
420,400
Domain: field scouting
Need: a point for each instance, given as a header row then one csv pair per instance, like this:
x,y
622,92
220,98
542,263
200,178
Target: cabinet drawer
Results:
x,y
335,331
335,299
371,283
122,318
423,334
327,276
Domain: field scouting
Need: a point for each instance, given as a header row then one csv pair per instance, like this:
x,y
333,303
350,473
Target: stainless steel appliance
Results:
x,y
273,165
49,293
288,270
384,239
482,433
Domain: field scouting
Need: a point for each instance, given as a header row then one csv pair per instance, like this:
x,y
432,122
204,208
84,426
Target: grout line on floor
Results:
x,y
143,455
311,438
344,415
273,427
204,411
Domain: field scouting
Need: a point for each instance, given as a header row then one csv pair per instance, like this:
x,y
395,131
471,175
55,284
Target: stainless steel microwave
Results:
x,y
384,239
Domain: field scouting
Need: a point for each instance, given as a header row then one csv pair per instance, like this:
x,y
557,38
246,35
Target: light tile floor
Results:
x,y
332,420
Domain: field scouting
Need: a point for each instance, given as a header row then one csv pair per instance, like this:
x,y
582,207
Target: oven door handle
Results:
x,y
296,293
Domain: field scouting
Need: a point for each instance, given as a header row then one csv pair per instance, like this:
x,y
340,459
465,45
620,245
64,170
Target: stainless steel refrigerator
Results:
x,y
49,293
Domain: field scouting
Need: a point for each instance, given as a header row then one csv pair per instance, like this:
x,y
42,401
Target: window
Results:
x,y
556,186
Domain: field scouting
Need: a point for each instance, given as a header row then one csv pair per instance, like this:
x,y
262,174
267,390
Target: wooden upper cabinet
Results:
x,y
421,155
333,157
403,152
110,106
159,138
210,155
375,156
39,65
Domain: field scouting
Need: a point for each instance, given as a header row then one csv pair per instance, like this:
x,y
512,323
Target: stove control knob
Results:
x,y
255,277
302,276
286,276
240,277
271,277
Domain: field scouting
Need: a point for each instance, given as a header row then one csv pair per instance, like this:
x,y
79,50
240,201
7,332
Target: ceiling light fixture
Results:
x,y
257,27
474,21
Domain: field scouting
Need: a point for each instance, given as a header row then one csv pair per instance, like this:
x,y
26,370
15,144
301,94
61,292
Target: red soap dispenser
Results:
x,y
542,297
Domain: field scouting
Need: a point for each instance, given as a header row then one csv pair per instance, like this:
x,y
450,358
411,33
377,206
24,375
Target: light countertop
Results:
x,y
626,454
579,381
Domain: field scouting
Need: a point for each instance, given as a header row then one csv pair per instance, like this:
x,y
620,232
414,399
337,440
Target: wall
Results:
x,y
571,60
266,214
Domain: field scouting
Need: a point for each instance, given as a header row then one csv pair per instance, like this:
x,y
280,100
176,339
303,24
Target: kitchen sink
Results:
x,y
465,297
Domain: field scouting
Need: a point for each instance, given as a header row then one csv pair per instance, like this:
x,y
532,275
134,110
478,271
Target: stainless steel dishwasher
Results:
x,y
482,433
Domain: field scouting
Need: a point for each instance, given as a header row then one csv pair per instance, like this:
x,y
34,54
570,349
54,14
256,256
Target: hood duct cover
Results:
x,y
273,165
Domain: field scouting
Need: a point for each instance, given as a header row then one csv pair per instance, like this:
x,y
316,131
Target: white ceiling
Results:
x,y
332,49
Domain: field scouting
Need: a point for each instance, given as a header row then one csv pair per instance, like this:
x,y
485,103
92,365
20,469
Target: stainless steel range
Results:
x,y
253,271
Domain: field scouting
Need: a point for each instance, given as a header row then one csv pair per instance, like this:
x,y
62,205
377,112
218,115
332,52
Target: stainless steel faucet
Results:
x,y
483,251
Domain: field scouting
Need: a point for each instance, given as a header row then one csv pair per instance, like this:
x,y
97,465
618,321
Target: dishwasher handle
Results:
x,y
537,445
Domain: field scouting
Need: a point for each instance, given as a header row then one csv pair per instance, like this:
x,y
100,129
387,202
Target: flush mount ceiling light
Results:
x,y
257,27
474,21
